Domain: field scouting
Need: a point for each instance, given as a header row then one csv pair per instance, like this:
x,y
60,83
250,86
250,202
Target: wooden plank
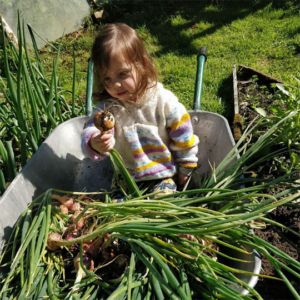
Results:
x,y
235,90
9,32
267,77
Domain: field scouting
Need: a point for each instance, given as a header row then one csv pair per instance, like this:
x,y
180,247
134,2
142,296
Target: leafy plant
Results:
x,y
32,105
169,247
287,100
270,110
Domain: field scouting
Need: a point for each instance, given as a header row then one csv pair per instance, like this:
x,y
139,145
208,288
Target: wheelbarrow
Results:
x,y
59,163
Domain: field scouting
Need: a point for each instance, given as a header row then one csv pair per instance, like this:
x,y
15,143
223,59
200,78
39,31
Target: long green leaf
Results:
x,y
40,95
132,186
4,156
30,235
58,109
172,279
51,96
263,141
31,95
73,86
12,171
2,182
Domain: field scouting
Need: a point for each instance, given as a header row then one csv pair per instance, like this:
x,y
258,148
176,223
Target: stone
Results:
x,y
99,15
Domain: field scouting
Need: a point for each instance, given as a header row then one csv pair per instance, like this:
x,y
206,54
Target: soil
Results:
x,y
255,89
273,289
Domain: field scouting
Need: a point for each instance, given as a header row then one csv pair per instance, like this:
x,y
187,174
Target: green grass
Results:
x,y
260,34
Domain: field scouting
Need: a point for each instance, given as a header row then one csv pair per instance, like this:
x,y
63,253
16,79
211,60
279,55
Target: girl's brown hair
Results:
x,y
120,39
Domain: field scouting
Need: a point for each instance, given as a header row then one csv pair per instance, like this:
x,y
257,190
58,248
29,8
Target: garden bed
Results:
x,y
254,93
290,217
255,90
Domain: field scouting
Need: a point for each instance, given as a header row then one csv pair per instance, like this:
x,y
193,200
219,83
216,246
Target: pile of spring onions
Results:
x,y
69,245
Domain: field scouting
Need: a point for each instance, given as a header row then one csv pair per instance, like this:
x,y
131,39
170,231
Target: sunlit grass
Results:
x,y
260,34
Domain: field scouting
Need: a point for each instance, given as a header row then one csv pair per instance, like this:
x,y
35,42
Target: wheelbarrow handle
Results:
x,y
89,89
201,59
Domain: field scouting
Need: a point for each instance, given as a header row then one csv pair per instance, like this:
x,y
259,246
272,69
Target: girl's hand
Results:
x,y
182,179
102,143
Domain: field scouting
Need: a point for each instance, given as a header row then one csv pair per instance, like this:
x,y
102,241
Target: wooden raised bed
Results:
x,y
248,92
252,88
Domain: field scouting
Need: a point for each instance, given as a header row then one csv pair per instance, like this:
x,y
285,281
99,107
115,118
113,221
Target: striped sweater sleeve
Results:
x,y
184,143
88,131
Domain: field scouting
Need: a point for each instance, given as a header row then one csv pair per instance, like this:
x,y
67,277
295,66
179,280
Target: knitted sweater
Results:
x,y
152,135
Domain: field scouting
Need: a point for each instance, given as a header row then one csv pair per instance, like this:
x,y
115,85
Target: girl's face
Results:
x,y
120,80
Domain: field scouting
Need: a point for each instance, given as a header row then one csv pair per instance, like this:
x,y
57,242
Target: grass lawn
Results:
x,y
260,34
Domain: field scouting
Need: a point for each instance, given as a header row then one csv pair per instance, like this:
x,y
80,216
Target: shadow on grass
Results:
x,y
177,25
159,17
225,91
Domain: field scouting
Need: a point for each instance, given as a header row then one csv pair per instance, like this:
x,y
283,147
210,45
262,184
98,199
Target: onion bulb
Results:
x,y
80,223
64,200
53,238
63,209
75,207
104,120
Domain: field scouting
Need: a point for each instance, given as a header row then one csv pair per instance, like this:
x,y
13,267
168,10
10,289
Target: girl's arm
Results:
x,y
91,136
88,132
183,140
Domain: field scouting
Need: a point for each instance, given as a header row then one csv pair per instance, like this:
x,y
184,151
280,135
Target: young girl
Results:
x,y
153,132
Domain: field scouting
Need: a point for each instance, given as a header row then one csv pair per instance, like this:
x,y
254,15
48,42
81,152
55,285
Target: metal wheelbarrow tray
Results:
x,y
59,163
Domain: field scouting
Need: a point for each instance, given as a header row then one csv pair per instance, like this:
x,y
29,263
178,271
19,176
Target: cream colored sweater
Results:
x,y
153,135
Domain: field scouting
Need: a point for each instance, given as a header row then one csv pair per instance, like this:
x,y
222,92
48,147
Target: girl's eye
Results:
x,y
123,74
106,81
